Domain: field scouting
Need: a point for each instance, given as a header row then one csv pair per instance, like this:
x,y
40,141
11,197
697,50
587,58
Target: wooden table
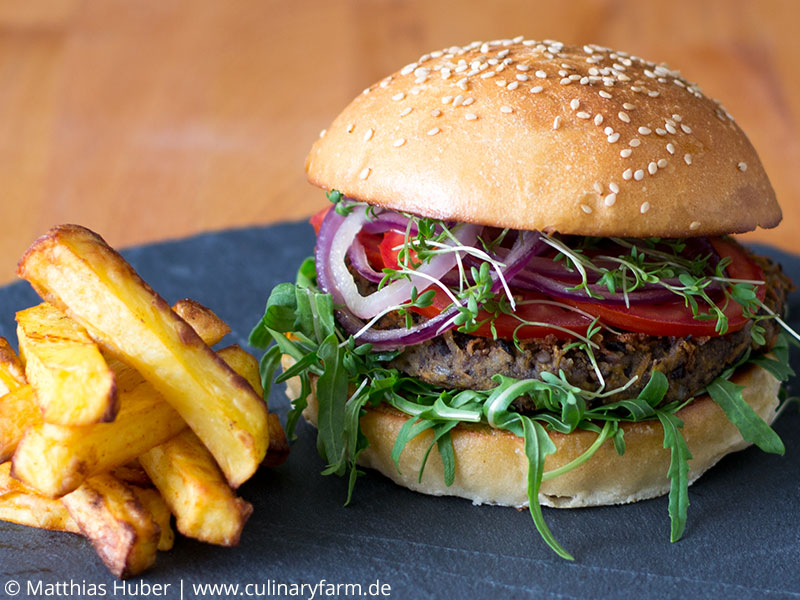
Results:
x,y
156,119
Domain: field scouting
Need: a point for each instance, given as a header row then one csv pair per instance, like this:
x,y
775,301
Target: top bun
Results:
x,y
543,136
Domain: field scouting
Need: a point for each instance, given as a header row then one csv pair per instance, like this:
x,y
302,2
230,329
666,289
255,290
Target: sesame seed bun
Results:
x,y
607,478
541,136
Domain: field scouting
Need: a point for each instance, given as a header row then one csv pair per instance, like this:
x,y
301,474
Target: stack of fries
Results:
x,y
117,414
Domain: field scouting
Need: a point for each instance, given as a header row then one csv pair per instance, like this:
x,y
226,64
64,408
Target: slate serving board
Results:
x,y
742,537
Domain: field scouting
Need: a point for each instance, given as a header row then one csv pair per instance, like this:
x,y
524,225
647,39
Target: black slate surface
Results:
x,y
742,538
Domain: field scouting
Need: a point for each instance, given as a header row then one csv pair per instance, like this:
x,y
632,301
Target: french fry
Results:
x,y
54,459
194,488
202,319
154,503
20,505
246,365
122,531
76,271
18,412
12,373
73,383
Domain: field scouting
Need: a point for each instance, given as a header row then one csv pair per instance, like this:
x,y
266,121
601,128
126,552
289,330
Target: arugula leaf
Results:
x,y
331,396
266,368
655,390
537,446
678,472
753,428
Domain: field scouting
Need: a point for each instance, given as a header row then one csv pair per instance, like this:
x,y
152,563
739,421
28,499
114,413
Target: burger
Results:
x,y
524,291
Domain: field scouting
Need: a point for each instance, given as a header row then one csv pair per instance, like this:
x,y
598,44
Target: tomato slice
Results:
x,y
318,217
674,318
390,249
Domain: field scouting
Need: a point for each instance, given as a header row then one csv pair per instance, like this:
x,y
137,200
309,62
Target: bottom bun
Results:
x,y
491,467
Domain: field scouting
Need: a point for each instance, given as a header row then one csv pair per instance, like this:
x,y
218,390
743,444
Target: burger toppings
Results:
x,y
453,323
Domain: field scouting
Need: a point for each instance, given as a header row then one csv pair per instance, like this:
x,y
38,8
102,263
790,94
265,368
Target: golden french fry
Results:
x,y
20,505
75,270
202,319
12,373
18,412
73,383
196,491
122,531
278,450
154,503
55,459
36,511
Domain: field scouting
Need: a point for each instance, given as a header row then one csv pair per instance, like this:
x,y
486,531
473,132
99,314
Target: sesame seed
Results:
x,y
598,187
399,96
662,163
635,143
671,148
586,209
447,99
436,112
487,74
565,81
405,111
687,158
522,77
638,174
574,104
399,142
583,115
541,74
604,94
654,94
513,85
368,134
613,138
501,82
506,109
686,128
434,131
536,89
350,127
470,116
613,187
628,106
598,119
677,118
458,100
645,130
608,130
694,225
364,173
623,116
323,132
625,152
627,174
671,128
523,67
742,166
557,122
644,207
652,168
660,131
469,101
610,199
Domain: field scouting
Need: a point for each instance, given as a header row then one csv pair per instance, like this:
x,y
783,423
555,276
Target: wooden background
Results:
x,y
154,119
